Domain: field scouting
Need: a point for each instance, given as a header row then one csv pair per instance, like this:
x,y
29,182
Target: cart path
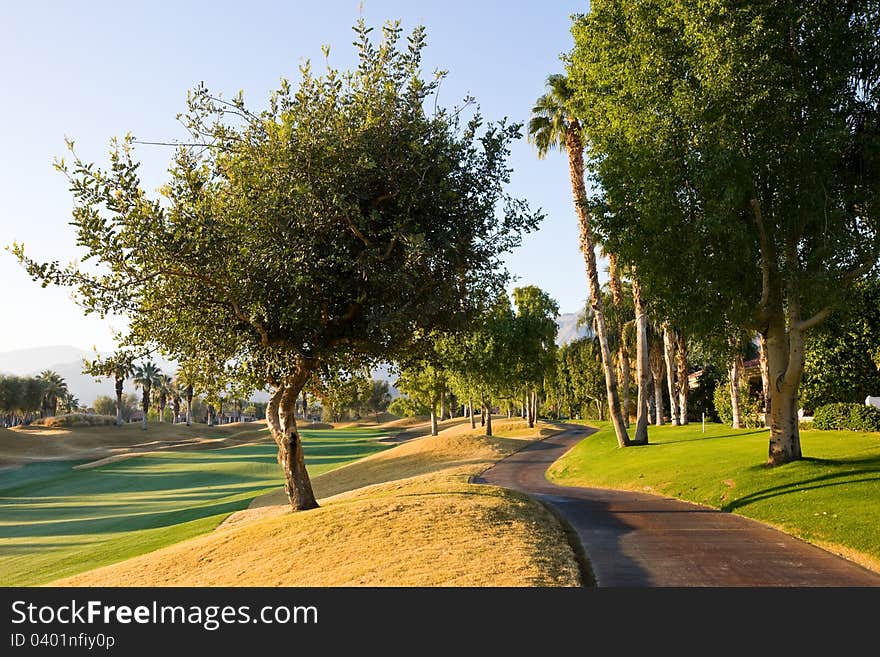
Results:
x,y
636,539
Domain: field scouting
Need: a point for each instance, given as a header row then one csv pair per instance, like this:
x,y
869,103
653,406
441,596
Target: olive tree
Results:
x,y
327,228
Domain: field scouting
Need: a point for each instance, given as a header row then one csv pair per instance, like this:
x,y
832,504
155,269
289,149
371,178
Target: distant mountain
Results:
x,y
569,330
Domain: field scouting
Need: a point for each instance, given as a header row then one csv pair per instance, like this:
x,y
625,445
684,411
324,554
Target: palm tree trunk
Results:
x,y
622,353
643,370
146,405
669,358
575,148
119,384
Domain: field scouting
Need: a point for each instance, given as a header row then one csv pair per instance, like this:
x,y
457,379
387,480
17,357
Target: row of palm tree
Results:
x,y
159,387
553,126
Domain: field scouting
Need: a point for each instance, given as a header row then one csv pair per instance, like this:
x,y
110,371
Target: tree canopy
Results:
x,y
326,228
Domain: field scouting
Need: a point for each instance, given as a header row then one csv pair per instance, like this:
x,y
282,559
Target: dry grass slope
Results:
x,y
403,517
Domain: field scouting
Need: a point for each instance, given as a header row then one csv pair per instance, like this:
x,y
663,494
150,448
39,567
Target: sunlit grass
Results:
x,y
831,497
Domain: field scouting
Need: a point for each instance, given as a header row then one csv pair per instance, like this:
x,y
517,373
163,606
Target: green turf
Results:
x,y
831,496
56,521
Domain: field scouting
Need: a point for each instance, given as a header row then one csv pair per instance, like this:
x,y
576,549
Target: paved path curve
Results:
x,y
636,539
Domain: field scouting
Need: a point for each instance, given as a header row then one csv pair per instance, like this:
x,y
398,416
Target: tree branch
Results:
x,y
818,318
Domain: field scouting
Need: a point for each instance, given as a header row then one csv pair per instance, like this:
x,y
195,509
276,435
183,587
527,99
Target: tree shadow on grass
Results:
x,y
867,475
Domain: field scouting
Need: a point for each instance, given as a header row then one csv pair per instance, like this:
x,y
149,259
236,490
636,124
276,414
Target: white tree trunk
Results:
x,y
642,366
734,392
669,358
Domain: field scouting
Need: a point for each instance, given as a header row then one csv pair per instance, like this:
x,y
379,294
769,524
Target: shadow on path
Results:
x,y
640,540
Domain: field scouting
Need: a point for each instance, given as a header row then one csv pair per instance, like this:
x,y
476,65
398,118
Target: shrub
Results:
x,y
855,417
74,420
750,408
831,416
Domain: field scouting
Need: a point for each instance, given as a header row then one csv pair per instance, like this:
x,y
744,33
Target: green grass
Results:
x,y
831,497
56,521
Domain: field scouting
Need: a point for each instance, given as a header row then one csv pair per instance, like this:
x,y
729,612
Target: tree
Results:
x,y
323,230
146,376
119,367
839,358
20,399
534,341
161,391
423,382
54,391
554,126
736,147
380,398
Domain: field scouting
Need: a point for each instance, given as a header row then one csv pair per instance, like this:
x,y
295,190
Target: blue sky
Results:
x,y
94,70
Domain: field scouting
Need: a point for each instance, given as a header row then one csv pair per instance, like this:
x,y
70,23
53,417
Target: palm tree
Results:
x,y
120,371
54,390
554,126
162,390
145,377
175,393
71,403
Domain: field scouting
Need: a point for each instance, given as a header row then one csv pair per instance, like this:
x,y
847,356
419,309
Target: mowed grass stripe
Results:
x,y
56,521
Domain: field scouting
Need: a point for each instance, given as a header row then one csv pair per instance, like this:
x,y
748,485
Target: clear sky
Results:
x,y
93,70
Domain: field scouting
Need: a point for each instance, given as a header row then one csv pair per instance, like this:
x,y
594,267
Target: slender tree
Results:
x,y
146,375
554,126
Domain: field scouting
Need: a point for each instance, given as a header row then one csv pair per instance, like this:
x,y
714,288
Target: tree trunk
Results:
x,y
785,359
210,415
471,412
530,409
119,385
622,353
483,417
574,146
442,405
642,366
434,431
535,405
657,371
281,417
488,412
669,358
683,384
733,383
189,406
765,377
145,404
305,399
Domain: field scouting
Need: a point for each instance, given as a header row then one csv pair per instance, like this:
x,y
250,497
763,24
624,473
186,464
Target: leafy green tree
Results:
x,y
423,382
146,375
105,405
534,341
839,355
379,399
320,231
343,393
737,149
554,126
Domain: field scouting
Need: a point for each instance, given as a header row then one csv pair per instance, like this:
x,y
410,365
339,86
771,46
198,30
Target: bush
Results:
x,y
751,413
73,420
855,417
